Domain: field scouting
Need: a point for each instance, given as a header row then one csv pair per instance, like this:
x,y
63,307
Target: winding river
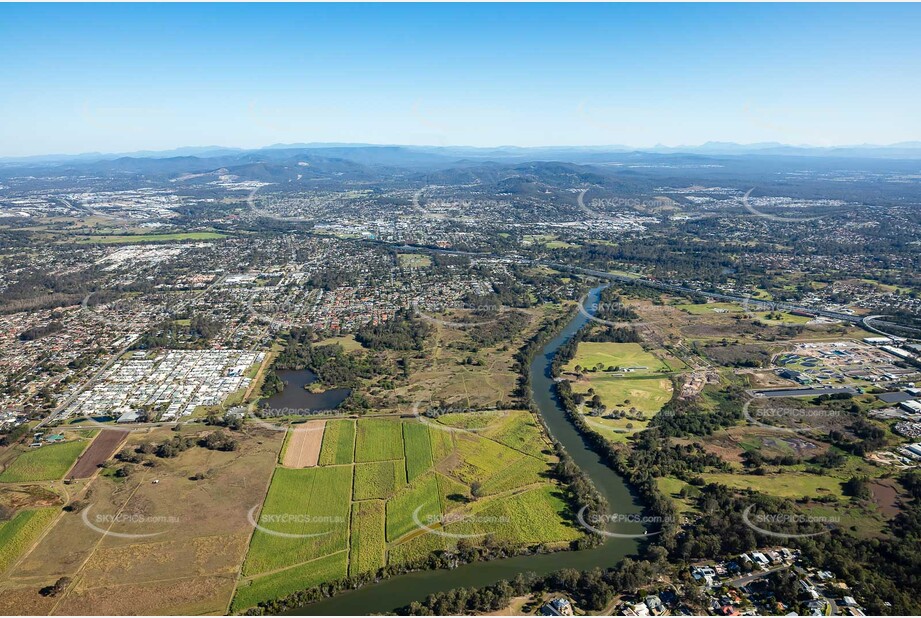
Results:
x,y
395,592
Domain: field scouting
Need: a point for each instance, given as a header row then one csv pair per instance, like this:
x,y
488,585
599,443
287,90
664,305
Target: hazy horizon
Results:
x,y
124,78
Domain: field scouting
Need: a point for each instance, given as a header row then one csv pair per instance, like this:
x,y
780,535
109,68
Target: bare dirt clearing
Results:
x,y
304,442
99,451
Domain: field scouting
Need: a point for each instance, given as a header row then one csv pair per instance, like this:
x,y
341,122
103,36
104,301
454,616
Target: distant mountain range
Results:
x,y
428,156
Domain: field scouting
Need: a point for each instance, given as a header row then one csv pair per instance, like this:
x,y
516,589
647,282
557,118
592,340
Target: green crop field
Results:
x,y
378,439
406,477
47,463
418,446
480,458
378,479
421,492
288,581
518,430
338,443
309,501
453,494
535,516
368,550
418,548
20,532
526,470
442,443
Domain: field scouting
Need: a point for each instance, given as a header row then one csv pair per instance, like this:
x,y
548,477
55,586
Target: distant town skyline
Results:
x,y
121,78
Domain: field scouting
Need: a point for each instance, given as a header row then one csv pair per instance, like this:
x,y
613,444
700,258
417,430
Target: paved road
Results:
x,y
802,392
747,579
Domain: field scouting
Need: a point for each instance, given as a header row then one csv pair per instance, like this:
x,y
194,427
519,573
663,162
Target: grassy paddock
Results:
x,y
47,463
787,485
590,354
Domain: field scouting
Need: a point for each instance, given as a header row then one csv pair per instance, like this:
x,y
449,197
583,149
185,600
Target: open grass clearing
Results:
x,y
784,485
47,463
626,356
414,260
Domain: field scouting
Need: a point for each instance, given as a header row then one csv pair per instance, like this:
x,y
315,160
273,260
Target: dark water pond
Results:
x,y
296,399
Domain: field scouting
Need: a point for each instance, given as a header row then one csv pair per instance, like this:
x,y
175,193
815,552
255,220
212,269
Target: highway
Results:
x,y
660,285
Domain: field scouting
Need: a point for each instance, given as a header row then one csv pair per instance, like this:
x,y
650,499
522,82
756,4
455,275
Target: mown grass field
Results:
x,y
647,395
407,479
47,463
616,429
347,342
414,260
673,487
20,532
639,393
707,308
338,443
590,354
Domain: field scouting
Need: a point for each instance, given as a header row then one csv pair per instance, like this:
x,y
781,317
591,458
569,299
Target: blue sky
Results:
x,y
111,78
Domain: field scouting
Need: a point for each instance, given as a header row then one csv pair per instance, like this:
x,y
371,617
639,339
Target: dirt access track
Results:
x,y
304,441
